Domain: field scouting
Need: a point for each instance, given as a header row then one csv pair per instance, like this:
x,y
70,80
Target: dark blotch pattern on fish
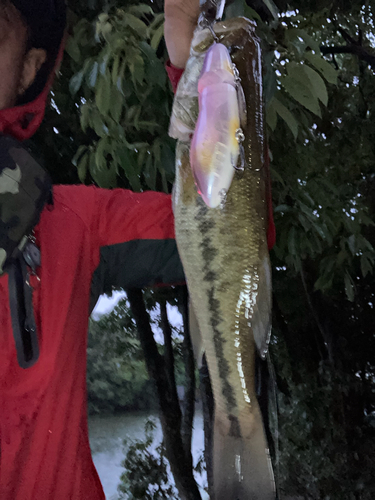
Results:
x,y
205,225
215,319
235,430
209,253
210,276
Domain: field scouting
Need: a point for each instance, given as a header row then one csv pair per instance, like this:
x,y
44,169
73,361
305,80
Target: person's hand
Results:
x,y
181,17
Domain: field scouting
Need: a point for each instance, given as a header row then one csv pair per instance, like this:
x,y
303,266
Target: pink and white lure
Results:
x,y
215,146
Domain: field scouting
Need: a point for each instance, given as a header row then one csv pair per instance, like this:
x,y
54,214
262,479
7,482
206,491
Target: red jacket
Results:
x,y
44,446
45,451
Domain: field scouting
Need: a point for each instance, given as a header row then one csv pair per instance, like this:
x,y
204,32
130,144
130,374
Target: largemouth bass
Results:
x,y
225,257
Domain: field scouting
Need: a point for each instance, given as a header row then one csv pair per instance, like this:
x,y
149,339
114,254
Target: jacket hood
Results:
x,y
46,20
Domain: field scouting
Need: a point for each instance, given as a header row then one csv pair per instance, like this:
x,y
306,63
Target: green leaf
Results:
x,y
251,13
84,116
103,64
159,18
301,93
82,167
349,287
322,283
168,159
307,211
103,17
101,152
293,33
324,67
306,224
163,180
287,116
104,175
98,125
292,241
234,9
137,68
306,76
272,8
93,75
116,104
115,69
140,10
317,84
269,78
351,244
76,82
282,209
103,94
129,166
72,48
130,113
157,36
136,24
82,149
120,79
308,198
150,173
319,230
271,115
366,266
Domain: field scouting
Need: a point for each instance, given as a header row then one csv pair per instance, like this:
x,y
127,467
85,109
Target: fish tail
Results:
x,y
242,466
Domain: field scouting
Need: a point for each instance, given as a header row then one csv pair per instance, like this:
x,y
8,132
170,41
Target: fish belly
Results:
x,y
226,262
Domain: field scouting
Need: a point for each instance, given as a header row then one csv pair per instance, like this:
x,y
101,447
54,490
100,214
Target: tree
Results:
x,y
117,377
318,82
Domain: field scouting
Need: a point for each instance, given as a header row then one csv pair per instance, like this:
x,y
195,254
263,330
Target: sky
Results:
x,y
106,304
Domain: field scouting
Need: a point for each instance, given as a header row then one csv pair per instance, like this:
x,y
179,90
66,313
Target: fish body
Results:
x,y
225,257
215,148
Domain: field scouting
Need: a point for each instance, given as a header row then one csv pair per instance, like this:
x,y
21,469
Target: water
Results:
x,y
106,440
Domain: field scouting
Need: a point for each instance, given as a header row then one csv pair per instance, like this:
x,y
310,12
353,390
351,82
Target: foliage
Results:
x,y
120,79
116,373
117,378
147,474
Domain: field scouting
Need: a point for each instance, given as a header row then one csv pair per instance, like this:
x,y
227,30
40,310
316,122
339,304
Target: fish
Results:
x,y
225,257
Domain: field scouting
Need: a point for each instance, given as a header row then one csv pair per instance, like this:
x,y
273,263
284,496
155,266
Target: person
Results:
x,y
44,446
86,240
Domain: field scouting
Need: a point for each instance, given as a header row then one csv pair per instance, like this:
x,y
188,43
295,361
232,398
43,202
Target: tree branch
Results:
x,y
189,401
352,47
169,356
170,412
208,418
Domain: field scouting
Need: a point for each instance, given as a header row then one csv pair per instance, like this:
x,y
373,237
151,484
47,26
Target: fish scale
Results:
x,y
225,257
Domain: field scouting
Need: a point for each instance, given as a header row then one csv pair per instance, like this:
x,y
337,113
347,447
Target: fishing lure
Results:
x,y
215,146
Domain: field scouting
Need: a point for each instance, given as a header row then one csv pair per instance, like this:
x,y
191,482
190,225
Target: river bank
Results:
x,y
107,434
